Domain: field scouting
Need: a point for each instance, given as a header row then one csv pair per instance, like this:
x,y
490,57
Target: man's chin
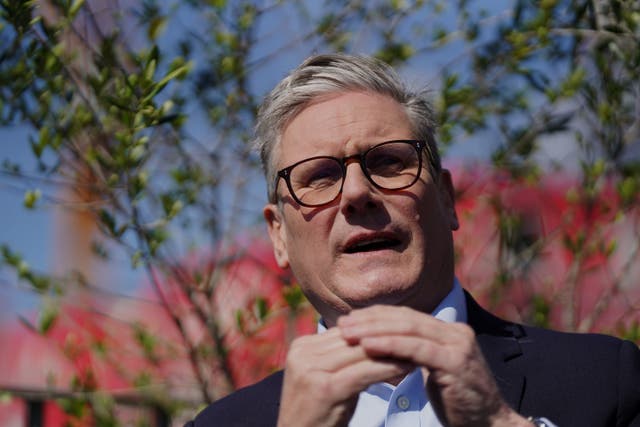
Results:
x,y
394,296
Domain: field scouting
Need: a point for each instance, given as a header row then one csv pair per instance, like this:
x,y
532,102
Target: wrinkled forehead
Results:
x,y
353,119
275,153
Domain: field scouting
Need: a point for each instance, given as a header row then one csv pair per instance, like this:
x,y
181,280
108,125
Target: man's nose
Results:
x,y
357,190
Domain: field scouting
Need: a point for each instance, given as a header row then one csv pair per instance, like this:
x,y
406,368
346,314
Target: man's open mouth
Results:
x,y
370,245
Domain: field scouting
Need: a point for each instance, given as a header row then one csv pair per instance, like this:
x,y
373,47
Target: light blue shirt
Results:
x,y
406,404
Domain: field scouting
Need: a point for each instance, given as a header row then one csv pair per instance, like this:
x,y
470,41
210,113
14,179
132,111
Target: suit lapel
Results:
x,y
499,342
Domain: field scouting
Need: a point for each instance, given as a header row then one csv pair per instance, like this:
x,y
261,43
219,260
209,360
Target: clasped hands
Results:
x,y
324,373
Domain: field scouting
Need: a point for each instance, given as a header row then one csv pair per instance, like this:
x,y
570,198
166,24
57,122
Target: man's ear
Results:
x,y
448,196
277,230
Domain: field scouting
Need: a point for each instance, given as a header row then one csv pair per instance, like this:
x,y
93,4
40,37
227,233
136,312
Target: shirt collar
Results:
x,y
453,308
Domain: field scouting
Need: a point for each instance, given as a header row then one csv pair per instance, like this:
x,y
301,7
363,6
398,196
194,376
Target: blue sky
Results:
x,y
26,231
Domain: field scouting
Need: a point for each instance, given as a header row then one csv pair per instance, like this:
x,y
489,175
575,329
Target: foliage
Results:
x,y
140,114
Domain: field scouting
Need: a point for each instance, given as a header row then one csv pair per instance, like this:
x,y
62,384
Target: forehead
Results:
x,y
343,123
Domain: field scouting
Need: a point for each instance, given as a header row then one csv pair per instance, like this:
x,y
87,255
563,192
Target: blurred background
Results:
x,y
136,280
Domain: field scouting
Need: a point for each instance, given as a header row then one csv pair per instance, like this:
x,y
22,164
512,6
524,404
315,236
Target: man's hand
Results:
x,y
323,377
460,386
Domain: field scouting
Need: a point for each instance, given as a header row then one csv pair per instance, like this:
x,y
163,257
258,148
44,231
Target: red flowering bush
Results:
x,y
550,252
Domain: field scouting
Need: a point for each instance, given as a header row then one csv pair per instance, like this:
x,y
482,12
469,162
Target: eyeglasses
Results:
x,y
391,165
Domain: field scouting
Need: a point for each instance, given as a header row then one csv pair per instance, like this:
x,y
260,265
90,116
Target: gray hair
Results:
x,y
327,74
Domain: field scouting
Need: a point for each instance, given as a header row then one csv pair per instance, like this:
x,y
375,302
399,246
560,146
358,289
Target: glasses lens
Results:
x,y
316,181
393,165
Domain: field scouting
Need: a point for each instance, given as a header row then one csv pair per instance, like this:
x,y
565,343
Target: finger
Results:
x,y
322,344
449,357
417,351
359,376
327,353
388,320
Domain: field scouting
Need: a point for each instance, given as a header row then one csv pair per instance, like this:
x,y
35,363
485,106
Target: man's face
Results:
x,y
369,246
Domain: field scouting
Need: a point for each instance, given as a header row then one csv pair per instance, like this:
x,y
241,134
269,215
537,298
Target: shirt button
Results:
x,y
403,402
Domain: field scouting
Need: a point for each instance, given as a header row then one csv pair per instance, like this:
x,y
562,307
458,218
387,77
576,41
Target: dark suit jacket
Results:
x,y
581,380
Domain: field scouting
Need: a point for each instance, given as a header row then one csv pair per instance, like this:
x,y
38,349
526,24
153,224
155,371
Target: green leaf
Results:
x,y
73,406
628,190
5,397
239,317
573,82
108,220
631,332
150,70
48,317
171,205
397,5
541,310
138,184
294,297
143,379
31,197
451,80
156,27
247,18
136,259
394,53
178,73
137,153
611,247
260,308
156,237
147,341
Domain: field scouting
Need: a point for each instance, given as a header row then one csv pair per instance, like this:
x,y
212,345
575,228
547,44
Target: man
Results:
x,y
362,212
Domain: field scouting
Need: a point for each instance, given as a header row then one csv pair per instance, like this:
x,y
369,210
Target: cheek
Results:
x,y
308,244
417,213
430,222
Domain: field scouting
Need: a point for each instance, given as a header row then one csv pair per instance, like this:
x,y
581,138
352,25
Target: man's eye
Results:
x,y
322,178
319,175
387,165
